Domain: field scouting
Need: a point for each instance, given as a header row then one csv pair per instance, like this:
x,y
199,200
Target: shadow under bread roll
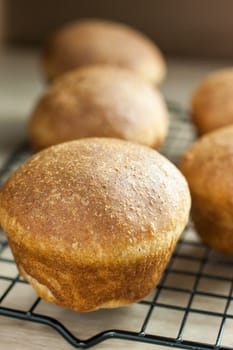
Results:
x,y
208,168
93,223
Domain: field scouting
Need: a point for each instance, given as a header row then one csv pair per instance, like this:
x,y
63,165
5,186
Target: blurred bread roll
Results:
x,y
99,101
95,41
212,103
208,168
93,222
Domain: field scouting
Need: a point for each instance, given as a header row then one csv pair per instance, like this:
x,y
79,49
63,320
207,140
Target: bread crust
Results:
x,y
208,168
93,41
212,102
99,101
93,223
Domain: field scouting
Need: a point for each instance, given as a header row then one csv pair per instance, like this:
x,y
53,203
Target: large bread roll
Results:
x,y
93,223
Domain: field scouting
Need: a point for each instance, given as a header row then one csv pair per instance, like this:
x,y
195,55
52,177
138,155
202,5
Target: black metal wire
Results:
x,y
188,308
179,138
156,296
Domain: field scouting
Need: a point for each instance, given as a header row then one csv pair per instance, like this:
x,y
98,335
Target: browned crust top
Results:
x,y
212,102
99,101
94,41
95,198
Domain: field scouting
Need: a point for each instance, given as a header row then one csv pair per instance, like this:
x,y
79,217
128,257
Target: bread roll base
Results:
x,y
83,287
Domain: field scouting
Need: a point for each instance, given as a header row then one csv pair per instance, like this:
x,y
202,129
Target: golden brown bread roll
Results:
x,y
92,223
212,103
208,168
102,101
94,41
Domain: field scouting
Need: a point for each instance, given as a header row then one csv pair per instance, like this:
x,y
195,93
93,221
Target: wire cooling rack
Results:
x,y
191,308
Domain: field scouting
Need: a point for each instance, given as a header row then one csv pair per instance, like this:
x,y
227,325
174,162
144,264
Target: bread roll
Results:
x,y
208,168
92,223
94,41
102,101
212,103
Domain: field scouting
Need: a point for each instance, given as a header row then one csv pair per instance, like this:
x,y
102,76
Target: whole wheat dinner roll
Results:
x,y
99,101
212,103
94,41
92,223
208,167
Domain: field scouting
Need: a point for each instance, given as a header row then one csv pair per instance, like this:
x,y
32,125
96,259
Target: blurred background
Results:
x,y
196,37
194,28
